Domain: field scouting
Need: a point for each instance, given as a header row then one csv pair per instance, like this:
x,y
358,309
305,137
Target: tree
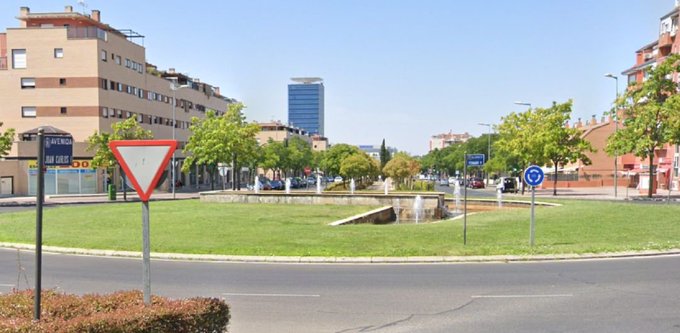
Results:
x,y
401,167
128,129
6,140
220,139
357,166
335,155
561,144
385,155
299,153
651,115
273,156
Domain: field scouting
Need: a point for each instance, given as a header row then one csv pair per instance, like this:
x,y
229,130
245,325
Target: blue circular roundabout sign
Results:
x,y
533,175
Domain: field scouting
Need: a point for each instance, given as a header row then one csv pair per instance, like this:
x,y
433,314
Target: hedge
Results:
x,y
119,312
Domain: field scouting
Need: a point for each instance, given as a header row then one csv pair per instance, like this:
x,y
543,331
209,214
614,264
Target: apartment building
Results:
x,y
646,58
441,141
78,75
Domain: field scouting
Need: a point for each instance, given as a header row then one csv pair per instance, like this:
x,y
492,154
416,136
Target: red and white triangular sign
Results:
x,y
143,161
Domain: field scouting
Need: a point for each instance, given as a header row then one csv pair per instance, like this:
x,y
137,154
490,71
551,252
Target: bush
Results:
x,y
120,312
418,186
344,186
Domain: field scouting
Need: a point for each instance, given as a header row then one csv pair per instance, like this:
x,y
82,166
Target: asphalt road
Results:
x,y
624,295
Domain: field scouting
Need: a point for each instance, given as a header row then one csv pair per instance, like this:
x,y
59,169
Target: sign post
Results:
x,y
470,160
533,176
144,161
53,150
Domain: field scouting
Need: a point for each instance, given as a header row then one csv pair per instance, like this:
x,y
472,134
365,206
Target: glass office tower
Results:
x,y
306,104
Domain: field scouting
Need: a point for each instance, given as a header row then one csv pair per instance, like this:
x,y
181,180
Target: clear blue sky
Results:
x,y
394,69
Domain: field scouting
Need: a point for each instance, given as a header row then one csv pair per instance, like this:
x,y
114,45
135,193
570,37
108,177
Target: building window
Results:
x,y
62,81
27,83
104,55
128,63
62,110
128,114
140,118
120,113
117,60
28,111
120,86
112,112
19,58
105,112
59,53
105,84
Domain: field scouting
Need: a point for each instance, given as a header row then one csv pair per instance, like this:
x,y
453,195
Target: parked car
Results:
x,y
337,179
507,184
311,180
295,182
443,182
277,185
475,183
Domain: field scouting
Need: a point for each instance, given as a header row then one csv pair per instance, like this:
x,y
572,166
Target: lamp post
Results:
x,y
488,156
174,87
616,129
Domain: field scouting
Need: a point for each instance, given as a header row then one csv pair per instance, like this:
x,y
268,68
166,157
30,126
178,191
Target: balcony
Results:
x,y
3,63
665,40
86,33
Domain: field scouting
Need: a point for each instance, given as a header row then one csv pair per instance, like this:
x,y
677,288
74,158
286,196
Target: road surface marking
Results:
x,y
270,295
522,296
6,285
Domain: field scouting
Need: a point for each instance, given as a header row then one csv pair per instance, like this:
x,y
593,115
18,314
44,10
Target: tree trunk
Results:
x,y
651,174
521,177
555,181
122,174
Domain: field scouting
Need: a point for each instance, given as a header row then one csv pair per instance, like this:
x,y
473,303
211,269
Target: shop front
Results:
x,y
78,178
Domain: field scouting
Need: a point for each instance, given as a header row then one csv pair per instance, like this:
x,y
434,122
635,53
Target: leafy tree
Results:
x,y
299,154
401,167
128,129
357,166
651,115
335,155
6,140
221,139
274,156
385,155
561,144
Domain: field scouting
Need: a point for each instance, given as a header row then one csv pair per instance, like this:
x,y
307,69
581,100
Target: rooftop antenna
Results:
x,y
83,5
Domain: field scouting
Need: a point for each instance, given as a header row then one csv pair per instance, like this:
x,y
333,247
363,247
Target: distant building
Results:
x,y
441,141
374,151
280,132
306,104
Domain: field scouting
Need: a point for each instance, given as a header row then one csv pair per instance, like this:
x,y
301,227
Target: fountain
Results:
x,y
387,186
397,208
318,184
456,193
256,185
287,185
418,207
499,196
352,186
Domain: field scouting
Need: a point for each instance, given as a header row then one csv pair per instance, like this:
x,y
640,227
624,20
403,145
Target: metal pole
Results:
x,y
40,197
488,155
616,129
465,200
172,166
532,227
146,253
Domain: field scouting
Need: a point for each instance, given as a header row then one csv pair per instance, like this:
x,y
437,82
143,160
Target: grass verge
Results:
x,y
190,226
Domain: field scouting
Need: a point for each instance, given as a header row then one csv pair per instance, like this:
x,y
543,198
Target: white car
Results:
x,y
337,179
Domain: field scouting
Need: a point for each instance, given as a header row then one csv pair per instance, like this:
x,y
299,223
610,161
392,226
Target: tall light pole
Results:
x,y
488,156
174,87
616,129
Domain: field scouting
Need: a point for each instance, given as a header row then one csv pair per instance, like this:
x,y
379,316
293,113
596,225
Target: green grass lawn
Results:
x,y
190,226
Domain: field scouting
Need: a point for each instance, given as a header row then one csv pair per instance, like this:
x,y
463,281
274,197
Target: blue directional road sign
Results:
x,y
58,150
475,159
533,175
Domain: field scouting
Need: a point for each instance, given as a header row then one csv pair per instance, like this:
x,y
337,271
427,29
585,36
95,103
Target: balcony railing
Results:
x,y
3,63
86,33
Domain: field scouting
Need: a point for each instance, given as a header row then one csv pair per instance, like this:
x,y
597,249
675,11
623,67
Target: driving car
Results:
x,y
475,183
507,184
443,182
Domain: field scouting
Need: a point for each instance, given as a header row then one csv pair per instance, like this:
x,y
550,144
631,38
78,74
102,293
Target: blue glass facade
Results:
x,y
306,107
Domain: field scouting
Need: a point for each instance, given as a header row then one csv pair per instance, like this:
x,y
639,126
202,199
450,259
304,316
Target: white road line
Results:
x,y
6,285
269,295
522,296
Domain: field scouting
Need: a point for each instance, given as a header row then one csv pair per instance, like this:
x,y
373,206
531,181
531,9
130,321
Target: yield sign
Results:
x,y
143,161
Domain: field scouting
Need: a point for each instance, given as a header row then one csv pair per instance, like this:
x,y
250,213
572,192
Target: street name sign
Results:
x,y
475,159
58,150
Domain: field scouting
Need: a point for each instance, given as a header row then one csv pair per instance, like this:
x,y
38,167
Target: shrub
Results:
x,y
120,312
418,185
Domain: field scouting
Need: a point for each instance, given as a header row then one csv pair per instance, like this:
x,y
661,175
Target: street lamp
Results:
x,y
616,129
488,156
523,103
174,87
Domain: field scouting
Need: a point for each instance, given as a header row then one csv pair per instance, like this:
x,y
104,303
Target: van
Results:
x,y
508,184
